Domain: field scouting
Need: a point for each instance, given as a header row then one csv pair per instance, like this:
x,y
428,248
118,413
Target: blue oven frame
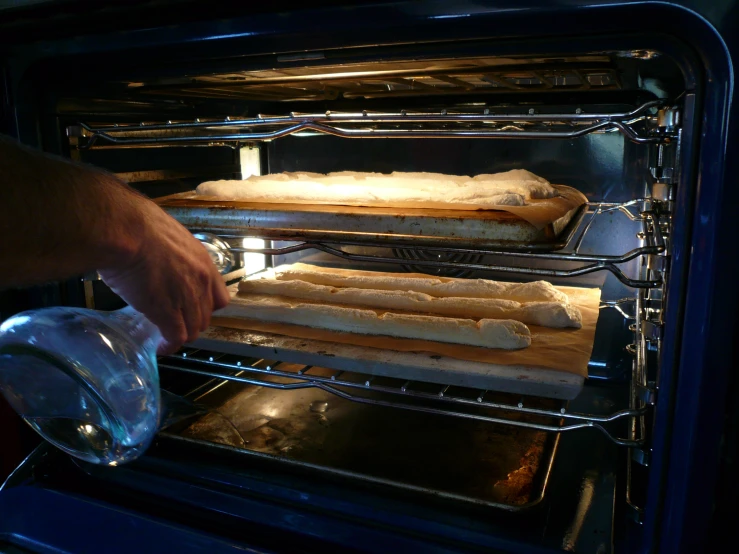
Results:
x,y
690,429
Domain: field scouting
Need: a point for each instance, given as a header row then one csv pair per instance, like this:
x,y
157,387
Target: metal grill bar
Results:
x,y
375,125
594,262
379,133
396,117
229,371
542,272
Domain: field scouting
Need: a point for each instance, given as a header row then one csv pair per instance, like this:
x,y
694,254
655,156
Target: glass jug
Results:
x,y
86,380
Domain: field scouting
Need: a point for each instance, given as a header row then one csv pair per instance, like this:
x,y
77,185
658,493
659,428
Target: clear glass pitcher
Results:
x,y
86,380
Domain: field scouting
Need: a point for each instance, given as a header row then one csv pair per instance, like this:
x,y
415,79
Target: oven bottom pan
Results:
x,y
458,459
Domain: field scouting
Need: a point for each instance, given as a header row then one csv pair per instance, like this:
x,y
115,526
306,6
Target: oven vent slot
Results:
x,y
636,125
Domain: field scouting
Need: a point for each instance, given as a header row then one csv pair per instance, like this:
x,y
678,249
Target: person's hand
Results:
x,y
168,276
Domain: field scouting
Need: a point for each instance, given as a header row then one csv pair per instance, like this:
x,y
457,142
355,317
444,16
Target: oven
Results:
x,y
307,448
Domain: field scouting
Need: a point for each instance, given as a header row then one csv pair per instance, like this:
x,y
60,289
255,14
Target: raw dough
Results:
x,y
403,190
489,333
547,314
537,291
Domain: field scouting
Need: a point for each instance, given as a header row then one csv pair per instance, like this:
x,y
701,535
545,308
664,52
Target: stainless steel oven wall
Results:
x,y
161,171
604,167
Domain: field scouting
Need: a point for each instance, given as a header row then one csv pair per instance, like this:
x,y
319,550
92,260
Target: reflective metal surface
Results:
x,y
488,124
470,461
218,251
345,224
378,389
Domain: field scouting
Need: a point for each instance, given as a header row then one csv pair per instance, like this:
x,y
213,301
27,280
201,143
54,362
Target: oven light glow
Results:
x,y
251,165
249,161
253,262
250,242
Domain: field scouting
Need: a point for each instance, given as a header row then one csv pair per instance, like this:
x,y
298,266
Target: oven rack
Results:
x,y
637,125
651,233
445,400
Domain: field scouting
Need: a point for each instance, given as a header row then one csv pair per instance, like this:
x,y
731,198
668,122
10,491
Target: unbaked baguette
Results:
x,y
537,291
488,333
547,314
401,190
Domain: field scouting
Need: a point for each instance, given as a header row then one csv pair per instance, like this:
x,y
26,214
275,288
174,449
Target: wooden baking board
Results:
x,y
554,366
542,224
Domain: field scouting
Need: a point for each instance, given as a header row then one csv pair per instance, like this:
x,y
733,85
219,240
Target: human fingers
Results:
x,y
206,309
221,296
174,335
193,320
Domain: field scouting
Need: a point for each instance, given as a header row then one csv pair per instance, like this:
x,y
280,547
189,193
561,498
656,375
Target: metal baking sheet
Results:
x,y
482,229
461,459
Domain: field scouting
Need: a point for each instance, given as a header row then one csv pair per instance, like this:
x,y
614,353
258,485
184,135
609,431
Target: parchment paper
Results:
x,y
565,350
541,213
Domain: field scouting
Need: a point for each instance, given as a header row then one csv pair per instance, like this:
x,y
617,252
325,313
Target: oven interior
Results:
x,y
570,474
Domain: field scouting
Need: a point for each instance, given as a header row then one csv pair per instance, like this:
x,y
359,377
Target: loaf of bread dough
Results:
x,y
536,291
547,314
489,333
401,190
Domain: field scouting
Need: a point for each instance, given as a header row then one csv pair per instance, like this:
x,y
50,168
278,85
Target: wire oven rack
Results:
x,y
624,427
646,212
452,400
637,125
643,125
436,399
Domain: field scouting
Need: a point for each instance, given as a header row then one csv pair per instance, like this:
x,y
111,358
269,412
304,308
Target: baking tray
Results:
x,y
459,459
482,229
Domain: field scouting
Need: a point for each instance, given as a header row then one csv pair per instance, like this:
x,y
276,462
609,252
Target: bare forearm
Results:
x,y
59,219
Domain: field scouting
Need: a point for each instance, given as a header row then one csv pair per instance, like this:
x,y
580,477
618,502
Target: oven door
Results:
x,y
182,494
41,519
